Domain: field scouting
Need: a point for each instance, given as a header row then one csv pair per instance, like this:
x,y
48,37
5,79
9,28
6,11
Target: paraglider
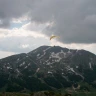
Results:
x,y
53,37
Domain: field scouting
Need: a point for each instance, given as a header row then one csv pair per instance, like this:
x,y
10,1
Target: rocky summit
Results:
x,y
47,68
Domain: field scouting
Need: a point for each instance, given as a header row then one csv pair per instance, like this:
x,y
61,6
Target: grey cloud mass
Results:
x,y
13,9
73,20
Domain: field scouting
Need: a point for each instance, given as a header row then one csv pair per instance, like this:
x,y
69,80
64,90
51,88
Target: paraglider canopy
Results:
x,y
52,37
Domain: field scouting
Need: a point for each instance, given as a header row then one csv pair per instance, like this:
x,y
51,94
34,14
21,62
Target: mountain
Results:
x,y
47,68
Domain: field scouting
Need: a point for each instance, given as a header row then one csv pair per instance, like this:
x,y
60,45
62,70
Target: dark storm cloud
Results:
x,y
74,20
13,9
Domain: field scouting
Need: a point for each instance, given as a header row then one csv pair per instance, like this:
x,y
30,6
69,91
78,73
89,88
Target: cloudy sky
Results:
x,y
28,24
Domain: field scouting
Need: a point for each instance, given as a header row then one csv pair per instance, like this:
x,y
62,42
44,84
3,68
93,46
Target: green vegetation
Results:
x,y
14,94
49,93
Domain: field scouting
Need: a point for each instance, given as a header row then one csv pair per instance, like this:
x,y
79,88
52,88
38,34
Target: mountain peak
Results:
x,y
48,66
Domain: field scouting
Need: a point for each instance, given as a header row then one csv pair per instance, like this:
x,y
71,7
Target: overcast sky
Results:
x,y
28,24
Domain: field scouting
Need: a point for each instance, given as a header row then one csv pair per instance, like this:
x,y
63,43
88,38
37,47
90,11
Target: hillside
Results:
x,y
47,68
